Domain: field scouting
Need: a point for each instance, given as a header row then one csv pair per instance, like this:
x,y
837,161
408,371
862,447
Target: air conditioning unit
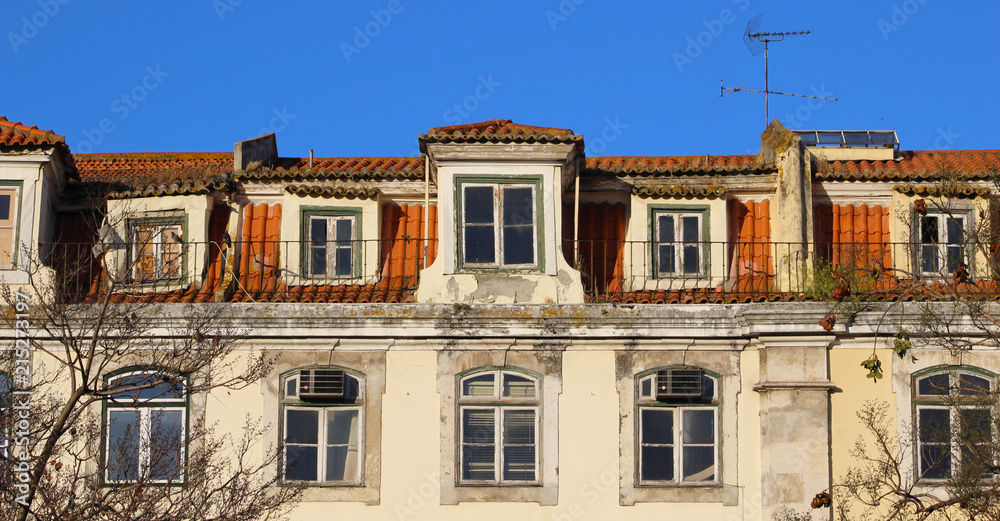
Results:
x,y
321,384
678,384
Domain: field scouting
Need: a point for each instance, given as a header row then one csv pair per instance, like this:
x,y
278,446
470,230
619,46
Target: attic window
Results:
x,y
499,225
156,249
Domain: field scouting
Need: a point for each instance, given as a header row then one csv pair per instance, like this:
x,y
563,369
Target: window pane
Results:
x,y
123,445
519,463
517,206
935,425
928,255
342,427
479,205
5,207
292,387
657,426
518,427
666,231
302,426
166,446
300,463
477,462
657,464
690,229
479,385
646,387
707,389
343,434
478,426
515,386
935,461
975,426
956,232
699,426
929,229
344,261
344,232
317,232
955,257
691,261
666,261
934,385
149,386
971,385
518,245
318,260
479,244
699,463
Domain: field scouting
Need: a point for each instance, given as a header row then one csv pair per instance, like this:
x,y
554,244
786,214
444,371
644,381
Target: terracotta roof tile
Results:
x,y
917,165
141,167
361,192
498,131
679,191
340,168
16,134
957,190
645,165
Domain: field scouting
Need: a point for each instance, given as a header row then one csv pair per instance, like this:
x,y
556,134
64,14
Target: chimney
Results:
x,y
310,158
263,148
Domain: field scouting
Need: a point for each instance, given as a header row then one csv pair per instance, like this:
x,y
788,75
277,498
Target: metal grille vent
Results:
x,y
321,384
678,384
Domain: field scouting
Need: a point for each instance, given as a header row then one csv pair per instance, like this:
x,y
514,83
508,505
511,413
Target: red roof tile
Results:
x,y
632,165
340,167
922,164
159,166
16,134
498,131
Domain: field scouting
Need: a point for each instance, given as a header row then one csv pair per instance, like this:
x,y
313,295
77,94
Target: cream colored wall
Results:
x,y
28,170
292,233
902,222
638,256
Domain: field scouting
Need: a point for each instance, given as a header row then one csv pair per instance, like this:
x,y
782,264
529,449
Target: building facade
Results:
x,y
504,327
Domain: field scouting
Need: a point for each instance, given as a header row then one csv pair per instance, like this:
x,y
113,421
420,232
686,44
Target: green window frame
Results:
x,y
680,241
145,430
678,443
157,250
324,441
331,242
499,223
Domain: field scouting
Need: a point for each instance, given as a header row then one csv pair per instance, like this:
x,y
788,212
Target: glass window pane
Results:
x,y
317,232
934,425
691,260
666,228
344,258
166,444
699,426
5,200
318,261
935,461
516,386
666,260
975,426
956,232
690,229
929,229
292,387
300,463
343,448
955,257
517,206
934,385
344,232
518,427
971,385
646,387
342,463
479,385
929,259
707,389
123,445
699,463
657,464
478,462
148,386
478,426
480,247
657,426
342,427
479,205
518,245
519,463
302,426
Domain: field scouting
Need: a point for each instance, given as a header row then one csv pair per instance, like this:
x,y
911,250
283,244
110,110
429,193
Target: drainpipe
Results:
x,y
427,204
310,158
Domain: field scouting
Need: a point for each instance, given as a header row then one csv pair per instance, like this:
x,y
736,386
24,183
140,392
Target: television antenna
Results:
x,y
753,39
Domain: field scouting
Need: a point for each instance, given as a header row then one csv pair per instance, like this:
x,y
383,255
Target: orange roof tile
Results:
x,y
922,164
638,165
158,166
498,131
340,167
16,134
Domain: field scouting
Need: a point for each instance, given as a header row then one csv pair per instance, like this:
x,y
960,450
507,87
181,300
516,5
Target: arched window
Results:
x,y
955,411
322,412
498,413
145,421
678,422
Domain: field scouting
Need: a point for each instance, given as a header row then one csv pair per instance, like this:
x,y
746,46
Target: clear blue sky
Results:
x,y
635,78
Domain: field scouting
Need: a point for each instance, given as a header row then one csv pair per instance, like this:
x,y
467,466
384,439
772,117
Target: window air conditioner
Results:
x,y
678,384
321,384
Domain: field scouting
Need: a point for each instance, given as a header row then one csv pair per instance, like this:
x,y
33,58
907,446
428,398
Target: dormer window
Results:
x,y
942,242
8,225
331,242
156,249
499,224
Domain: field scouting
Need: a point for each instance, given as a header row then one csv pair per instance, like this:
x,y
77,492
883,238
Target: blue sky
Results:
x,y
365,77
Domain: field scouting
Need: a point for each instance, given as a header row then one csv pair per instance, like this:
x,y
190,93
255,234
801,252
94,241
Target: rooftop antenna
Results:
x,y
753,38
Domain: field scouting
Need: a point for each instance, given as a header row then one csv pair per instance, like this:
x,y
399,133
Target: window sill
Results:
x,y
714,493
340,493
535,493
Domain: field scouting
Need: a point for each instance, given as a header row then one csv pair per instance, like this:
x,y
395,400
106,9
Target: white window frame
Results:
x,y
331,251
15,206
679,244
500,405
939,249
647,401
145,408
922,402
499,225
159,250
290,401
